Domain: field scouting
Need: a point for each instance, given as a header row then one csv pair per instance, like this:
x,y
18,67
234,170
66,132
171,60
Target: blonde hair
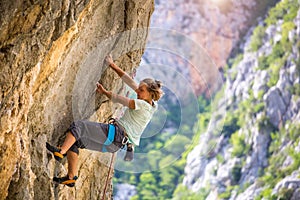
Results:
x,y
154,87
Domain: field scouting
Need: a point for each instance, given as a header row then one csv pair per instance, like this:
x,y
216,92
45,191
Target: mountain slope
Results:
x,y
216,26
255,154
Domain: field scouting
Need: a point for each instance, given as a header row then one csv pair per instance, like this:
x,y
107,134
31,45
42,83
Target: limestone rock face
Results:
x,y
51,56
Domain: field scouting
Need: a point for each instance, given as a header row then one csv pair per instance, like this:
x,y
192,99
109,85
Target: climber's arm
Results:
x,y
124,76
115,97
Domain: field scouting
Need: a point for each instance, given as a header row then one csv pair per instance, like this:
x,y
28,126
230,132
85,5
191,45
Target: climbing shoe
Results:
x,y
65,180
56,152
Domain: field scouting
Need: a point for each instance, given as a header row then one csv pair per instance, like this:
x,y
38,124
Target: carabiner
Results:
x,y
125,140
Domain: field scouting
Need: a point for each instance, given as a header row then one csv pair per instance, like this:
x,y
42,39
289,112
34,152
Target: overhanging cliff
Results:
x,y
52,55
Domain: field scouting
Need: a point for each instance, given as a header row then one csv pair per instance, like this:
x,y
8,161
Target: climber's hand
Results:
x,y
100,88
108,59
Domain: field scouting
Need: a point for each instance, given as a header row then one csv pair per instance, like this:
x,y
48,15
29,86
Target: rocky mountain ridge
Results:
x,y
254,153
215,26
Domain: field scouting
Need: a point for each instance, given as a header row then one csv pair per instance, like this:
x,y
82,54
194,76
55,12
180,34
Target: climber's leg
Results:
x,y
72,163
69,141
72,157
60,153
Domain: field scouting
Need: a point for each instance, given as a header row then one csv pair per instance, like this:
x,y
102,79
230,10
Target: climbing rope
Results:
x,y
111,161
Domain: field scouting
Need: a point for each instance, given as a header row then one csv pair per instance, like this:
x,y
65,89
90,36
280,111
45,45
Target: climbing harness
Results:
x,y
110,137
112,123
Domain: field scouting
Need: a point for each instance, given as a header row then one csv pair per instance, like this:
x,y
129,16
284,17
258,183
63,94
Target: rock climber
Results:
x,y
117,134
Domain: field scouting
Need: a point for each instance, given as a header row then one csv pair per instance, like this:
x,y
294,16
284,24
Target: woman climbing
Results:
x,y
117,133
